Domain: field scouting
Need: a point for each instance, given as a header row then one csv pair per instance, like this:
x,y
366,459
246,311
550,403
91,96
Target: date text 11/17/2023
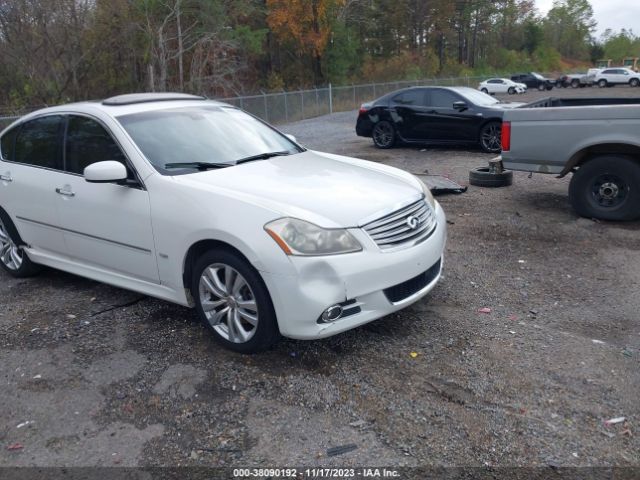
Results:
x,y
315,473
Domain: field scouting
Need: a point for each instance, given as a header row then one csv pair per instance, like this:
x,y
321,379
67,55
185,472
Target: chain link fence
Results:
x,y
286,107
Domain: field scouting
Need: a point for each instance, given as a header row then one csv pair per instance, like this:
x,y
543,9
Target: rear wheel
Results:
x,y
634,82
606,187
233,302
541,87
602,83
490,137
484,90
384,135
13,259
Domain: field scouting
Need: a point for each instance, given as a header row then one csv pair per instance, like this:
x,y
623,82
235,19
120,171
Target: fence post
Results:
x,y
317,103
286,107
330,98
354,95
302,103
266,110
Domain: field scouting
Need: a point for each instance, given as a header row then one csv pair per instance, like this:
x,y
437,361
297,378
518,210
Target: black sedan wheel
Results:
x,y
490,137
542,87
384,135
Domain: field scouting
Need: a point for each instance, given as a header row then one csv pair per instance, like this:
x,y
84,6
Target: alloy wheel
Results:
x,y
491,137
10,253
383,134
228,303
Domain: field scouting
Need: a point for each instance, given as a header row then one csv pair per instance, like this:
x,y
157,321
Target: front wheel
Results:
x,y
541,87
634,82
233,302
384,135
490,137
606,187
13,259
511,91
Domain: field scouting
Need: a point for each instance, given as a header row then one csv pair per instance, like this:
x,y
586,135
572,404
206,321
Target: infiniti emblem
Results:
x,y
413,222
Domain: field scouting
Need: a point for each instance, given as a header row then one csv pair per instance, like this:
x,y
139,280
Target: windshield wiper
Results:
x,y
262,156
198,165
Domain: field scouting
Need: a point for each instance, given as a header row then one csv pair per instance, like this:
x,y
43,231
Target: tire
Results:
x,y
575,83
484,90
490,139
482,177
606,187
634,82
13,259
541,87
511,91
602,83
247,329
383,134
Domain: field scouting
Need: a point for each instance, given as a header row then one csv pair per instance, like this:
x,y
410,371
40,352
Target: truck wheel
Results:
x,y
606,187
602,83
384,135
541,87
233,302
484,177
634,82
575,83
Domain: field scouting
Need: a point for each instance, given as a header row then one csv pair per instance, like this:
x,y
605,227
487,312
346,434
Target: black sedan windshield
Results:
x,y
191,138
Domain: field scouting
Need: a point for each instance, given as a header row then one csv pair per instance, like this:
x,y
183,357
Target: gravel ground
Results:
x,y
97,376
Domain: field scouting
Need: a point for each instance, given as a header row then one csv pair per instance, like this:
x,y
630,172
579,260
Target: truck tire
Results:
x,y
607,187
634,82
483,177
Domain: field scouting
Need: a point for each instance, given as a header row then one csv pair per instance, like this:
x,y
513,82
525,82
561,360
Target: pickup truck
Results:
x,y
595,139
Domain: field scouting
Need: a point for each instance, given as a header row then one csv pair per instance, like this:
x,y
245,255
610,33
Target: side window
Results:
x,y
443,99
8,143
38,142
410,97
88,142
495,81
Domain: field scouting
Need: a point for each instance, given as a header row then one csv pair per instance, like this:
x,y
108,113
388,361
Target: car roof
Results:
x,y
128,104
428,87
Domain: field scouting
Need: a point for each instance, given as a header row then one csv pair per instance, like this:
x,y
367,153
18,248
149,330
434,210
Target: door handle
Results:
x,y
6,177
66,193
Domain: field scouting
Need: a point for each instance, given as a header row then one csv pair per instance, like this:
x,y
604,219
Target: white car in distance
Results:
x,y
610,77
502,85
199,203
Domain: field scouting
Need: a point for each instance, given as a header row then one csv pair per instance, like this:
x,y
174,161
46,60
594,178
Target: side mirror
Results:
x,y
291,137
105,172
460,106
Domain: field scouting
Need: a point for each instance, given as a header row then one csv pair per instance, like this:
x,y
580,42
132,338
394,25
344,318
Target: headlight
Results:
x,y
428,196
297,237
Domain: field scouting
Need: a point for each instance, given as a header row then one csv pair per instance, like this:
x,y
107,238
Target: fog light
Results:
x,y
332,313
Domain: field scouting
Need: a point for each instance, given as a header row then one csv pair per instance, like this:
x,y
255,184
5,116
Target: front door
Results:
x,y
106,225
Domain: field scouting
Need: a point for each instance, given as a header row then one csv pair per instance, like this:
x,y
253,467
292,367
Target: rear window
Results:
x,y
38,142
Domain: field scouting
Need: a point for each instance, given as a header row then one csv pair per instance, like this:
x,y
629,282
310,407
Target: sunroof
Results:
x,y
132,98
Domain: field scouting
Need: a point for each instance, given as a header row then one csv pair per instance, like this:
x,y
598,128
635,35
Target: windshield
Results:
x,y
537,75
192,137
478,98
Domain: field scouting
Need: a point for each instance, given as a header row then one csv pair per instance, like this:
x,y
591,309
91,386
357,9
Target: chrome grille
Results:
x,y
397,228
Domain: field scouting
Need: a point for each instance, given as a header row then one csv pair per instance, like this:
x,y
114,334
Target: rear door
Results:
x,y
410,115
106,225
30,169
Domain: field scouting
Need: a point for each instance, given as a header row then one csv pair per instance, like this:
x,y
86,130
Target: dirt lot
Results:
x,y
94,375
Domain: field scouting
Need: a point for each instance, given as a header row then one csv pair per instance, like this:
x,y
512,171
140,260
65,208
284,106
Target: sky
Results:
x,y
614,14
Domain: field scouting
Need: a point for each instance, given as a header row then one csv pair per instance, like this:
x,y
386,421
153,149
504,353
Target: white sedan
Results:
x,y
502,85
198,203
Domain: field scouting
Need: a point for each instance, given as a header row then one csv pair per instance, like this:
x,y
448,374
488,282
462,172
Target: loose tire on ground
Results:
x,y
13,259
607,187
383,134
483,177
234,298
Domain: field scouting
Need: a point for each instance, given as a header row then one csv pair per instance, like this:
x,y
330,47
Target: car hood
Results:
x,y
328,190
507,105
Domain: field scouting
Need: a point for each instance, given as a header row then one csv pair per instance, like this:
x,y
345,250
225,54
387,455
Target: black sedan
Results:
x,y
434,115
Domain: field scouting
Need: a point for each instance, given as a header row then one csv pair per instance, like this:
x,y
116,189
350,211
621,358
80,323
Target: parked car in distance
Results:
x,y
610,77
501,85
434,115
534,80
198,203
